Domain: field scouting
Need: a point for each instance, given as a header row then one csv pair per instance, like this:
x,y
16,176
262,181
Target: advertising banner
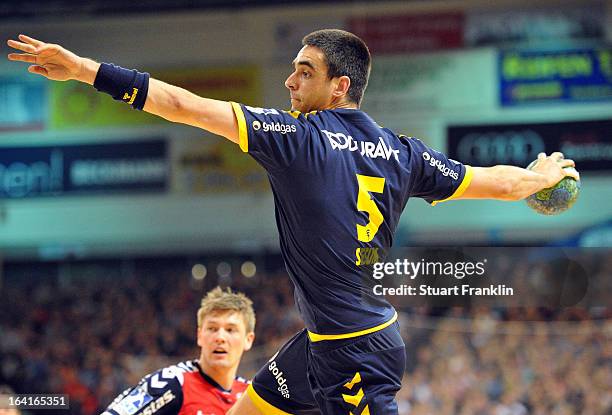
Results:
x,y
588,143
410,32
429,82
576,75
116,167
23,103
535,26
212,165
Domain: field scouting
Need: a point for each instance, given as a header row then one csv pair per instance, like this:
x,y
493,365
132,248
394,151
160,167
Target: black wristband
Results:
x,y
122,84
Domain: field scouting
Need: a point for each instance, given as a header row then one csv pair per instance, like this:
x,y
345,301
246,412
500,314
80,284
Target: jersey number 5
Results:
x,y
365,203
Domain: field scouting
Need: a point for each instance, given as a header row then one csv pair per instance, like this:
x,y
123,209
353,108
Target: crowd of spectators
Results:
x,y
487,365
91,329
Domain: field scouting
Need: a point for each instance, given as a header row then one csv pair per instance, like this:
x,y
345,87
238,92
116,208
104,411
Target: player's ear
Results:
x,y
250,337
342,86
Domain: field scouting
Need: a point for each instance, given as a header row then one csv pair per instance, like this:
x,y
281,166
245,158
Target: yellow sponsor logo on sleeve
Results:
x,y
129,97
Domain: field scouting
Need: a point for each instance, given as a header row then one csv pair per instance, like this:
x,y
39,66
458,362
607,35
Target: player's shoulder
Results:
x,y
360,122
240,384
158,392
172,373
273,112
411,142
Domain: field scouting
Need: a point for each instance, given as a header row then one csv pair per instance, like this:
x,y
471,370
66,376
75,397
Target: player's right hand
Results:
x,y
555,167
47,59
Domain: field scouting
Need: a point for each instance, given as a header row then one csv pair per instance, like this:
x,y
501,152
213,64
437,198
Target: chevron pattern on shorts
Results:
x,y
357,398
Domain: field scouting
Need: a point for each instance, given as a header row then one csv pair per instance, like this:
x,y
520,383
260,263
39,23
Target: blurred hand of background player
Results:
x,y
47,59
554,168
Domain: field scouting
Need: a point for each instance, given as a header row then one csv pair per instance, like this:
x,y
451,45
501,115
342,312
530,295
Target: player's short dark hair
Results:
x,y
346,55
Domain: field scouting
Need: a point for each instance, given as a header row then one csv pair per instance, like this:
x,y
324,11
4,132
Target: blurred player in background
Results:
x,y
204,386
340,183
5,409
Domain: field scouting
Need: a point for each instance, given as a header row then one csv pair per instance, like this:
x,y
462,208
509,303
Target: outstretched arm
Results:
x,y
514,183
167,101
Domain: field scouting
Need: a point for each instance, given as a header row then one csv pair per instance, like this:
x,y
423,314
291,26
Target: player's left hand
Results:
x,y
554,168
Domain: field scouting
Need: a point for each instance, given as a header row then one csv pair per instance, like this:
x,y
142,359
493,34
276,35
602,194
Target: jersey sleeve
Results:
x,y
272,137
435,177
159,393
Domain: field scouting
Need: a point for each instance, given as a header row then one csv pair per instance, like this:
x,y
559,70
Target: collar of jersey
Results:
x,y
211,380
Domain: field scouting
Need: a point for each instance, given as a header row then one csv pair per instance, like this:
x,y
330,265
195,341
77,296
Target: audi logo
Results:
x,y
500,147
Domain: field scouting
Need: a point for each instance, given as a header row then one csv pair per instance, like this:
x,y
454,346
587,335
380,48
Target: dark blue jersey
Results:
x,y
340,183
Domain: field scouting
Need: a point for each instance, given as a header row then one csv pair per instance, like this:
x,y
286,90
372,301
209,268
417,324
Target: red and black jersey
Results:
x,y
181,389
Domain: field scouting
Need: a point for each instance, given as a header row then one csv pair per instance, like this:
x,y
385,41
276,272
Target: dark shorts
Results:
x,y
360,375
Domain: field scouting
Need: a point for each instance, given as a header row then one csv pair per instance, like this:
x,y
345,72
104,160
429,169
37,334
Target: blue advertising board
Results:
x,y
23,103
573,75
115,167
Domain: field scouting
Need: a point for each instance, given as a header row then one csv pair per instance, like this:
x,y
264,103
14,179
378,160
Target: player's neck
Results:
x,y
342,103
223,376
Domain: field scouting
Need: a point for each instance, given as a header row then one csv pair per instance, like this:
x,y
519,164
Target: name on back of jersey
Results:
x,y
366,256
340,141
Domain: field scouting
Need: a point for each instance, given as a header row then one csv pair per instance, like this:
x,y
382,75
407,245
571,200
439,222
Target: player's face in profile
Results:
x,y
309,86
223,339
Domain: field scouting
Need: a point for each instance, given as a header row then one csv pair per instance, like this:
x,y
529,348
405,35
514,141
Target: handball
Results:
x,y
556,199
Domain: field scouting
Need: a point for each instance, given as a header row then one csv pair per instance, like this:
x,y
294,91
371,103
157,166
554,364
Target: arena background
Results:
x,y
113,223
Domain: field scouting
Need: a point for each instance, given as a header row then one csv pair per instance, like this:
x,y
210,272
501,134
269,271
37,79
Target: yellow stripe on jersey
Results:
x,y
243,134
467,179
314,337
263,406
296,114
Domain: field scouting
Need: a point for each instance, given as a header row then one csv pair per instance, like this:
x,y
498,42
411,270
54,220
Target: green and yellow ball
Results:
x,y
555,199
